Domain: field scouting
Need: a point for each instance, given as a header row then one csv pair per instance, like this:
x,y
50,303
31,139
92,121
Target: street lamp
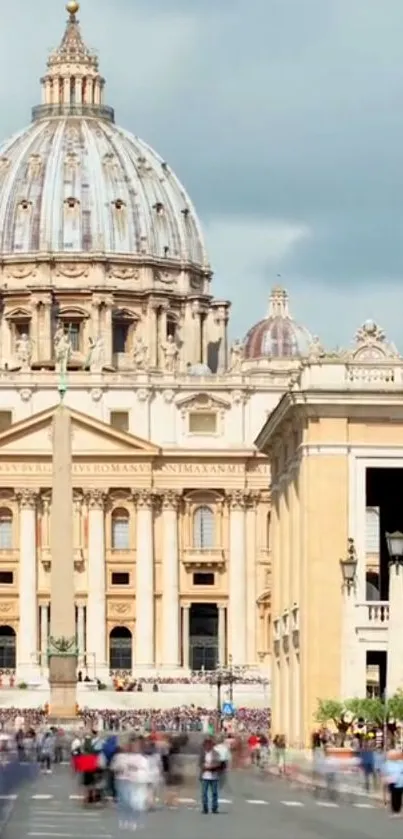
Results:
x,y
394,542
348,565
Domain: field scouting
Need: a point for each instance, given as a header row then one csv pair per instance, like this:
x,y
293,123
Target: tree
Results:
x,y
394,707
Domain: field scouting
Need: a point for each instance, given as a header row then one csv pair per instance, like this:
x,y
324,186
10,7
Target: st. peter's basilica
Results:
x,y
103,262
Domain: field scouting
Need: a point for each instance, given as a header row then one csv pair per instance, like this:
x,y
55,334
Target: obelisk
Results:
x,y
62,649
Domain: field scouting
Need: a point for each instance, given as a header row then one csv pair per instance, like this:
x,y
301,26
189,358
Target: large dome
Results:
x,y
73,182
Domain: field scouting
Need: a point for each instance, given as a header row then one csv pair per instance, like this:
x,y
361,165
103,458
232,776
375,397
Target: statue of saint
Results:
x,y
236,356
316,350
170,351
23,350
140,354
96,356
63,348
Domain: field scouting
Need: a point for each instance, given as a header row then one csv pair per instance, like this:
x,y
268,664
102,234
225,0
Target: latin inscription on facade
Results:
x,y
127,468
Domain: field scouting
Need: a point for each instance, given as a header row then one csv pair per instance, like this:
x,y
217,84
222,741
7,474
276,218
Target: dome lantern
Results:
x,y
72,84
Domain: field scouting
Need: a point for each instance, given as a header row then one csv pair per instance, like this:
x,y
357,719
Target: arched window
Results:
x,y
8,657
203,528
6,529
120,529
120,648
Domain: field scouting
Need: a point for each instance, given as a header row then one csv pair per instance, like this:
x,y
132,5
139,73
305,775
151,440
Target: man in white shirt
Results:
x,y
210,766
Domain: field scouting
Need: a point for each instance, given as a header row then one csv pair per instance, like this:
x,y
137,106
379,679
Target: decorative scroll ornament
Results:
x,y
371,344
62,646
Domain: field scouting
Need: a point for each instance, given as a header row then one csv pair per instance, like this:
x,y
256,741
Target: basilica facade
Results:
x,y
105,279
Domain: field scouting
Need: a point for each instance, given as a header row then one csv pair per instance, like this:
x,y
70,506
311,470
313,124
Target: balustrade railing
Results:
x,y
374,612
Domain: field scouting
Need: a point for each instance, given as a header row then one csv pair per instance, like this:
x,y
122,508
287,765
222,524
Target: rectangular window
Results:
x,y
120,578
203,422
6,420
203,578
6,578
120,337
119,420
21,327
75,336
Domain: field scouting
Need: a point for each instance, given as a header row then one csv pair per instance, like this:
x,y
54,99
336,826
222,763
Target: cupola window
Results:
x,y
118,204
166,250
171,327
159,208
185,212
25,204
71,202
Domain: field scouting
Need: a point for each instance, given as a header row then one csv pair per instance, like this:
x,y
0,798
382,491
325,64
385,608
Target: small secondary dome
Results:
x,y
74,183
278,335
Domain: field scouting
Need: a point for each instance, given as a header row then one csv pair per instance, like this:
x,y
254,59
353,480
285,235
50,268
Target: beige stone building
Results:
x,y
104,270
335,447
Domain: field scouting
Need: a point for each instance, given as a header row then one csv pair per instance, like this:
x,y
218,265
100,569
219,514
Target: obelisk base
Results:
x,y
63,686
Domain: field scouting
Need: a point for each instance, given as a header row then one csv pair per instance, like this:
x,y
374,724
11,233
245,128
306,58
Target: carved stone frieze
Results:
x,y
72,270
119,608
164,277
168,396
20,272
124,272
7,608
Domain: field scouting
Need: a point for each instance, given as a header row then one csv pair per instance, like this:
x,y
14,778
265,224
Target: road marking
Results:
x,y
326,804
41,797
71,835
364,806
292,803
76,797
225,801
256,801
8,797
186,801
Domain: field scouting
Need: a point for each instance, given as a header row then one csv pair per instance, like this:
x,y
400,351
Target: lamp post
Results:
x,y
348,566
350,670
394,542
394,680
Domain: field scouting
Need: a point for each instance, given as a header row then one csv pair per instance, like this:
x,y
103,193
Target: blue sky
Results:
x,y
283,119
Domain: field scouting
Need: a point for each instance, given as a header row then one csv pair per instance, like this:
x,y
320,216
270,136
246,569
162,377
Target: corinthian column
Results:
x,y
96,603
27,648
237,578
145,581
170,582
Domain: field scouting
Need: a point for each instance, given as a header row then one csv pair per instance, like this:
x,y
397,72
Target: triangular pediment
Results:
x,y
90,437
202,401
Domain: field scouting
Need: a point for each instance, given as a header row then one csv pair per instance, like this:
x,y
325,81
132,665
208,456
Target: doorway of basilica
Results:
x,y
203,636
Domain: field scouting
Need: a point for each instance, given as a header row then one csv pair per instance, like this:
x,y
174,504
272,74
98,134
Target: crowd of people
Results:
x,y
123,681
181,718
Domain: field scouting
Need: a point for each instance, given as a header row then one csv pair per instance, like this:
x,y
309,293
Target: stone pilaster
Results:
x,y
27,651
145,581
170,581
96,604
237,577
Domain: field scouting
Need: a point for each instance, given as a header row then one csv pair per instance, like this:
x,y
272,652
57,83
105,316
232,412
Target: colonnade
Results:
x,y
92,623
